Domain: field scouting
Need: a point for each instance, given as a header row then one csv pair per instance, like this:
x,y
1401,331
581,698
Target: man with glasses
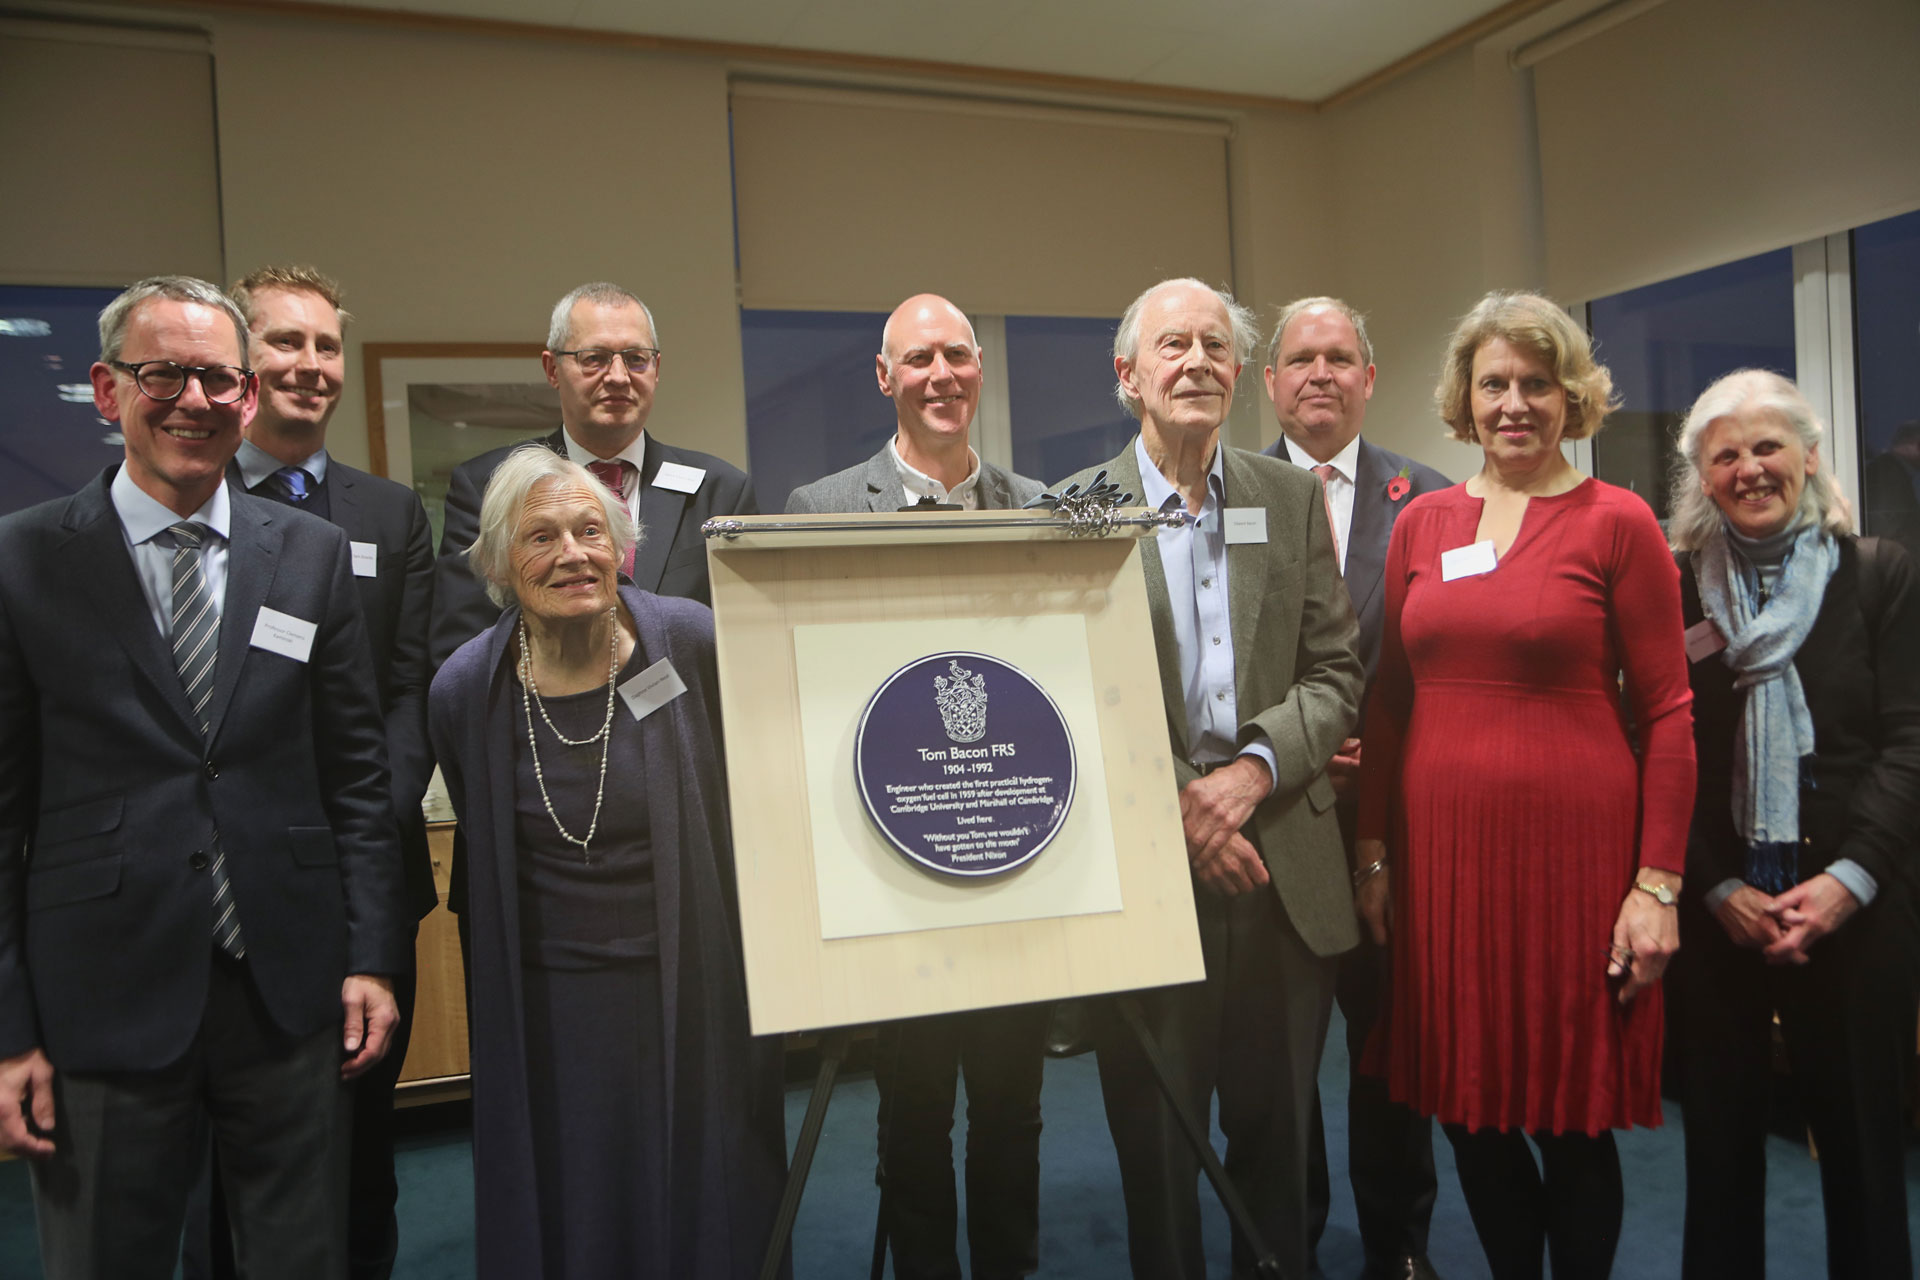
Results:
x,y
603,357
200,884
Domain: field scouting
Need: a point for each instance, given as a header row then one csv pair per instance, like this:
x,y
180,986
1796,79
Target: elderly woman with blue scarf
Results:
x,y
1804,649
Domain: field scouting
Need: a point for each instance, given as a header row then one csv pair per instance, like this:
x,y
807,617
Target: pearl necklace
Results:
x,y
530,698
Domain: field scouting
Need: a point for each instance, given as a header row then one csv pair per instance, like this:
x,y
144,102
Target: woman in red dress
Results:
x,y
1523,828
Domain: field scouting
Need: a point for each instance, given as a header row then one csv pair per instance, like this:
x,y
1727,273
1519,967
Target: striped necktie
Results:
x,y
196,642
1326,471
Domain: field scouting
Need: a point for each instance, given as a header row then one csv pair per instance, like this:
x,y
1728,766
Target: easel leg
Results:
x,y
1266,1264
833,1051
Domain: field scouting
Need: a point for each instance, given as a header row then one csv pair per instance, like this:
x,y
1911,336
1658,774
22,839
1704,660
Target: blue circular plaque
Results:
x,y
964,764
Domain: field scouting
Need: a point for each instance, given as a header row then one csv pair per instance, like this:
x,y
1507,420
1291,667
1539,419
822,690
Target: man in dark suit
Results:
x,y
1261,680
200,884
929,366
1320,376
297,348
603,356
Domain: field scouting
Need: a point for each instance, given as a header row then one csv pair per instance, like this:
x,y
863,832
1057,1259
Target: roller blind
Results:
x,y
1710,130
109,155
855,200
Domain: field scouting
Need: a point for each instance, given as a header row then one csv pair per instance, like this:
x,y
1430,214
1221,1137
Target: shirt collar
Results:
x,y
919,484
1346,462
1155,489
142,515
256,464
636,453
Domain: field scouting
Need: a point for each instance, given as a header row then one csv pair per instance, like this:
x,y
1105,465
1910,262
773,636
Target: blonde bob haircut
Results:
x,y
526,469
1539,327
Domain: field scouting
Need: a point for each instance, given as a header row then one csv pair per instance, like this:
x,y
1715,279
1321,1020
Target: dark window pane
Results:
x,y
1060,395
1886,307
52,440
813,405
1666,342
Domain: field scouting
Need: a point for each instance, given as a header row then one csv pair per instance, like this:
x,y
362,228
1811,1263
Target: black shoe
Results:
x,y
1412,1267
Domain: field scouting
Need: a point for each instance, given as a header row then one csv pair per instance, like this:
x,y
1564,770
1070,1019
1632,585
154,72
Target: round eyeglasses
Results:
x,y
164,380
595,361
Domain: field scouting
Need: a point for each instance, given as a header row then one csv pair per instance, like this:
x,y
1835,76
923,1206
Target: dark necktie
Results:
x,y
612,474
295,484
195,626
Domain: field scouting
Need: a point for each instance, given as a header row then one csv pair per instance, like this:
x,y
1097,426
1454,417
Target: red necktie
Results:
x,y
1326,473
612,474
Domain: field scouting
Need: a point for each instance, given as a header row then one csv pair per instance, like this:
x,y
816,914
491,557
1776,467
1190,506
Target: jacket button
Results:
x,y
213,771
199,861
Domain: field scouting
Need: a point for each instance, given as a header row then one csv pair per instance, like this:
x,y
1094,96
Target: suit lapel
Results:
x,y
343,500
97,559
1372,525
660,511
882,480
1246,561
253,553
1125,472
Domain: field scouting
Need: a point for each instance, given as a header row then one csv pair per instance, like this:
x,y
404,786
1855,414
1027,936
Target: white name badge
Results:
x,y
1246,524
679,478
1465,562
652,689
1704,640
284,634
366,559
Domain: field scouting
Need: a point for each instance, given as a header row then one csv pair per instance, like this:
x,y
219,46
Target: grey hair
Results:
x,y
1293,311
1694,516
114,317
514,480
560,326
1126,340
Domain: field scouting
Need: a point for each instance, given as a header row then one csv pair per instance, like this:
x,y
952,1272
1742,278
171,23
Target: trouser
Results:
x,y
1252,1032
111,1200
1000,1053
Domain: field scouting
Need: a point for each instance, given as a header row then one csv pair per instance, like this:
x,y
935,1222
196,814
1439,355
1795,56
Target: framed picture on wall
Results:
x,y
433,405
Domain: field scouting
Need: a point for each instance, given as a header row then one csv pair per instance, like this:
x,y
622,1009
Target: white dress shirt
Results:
x,y
1193,562
635,453
142,518
1339,487
917,484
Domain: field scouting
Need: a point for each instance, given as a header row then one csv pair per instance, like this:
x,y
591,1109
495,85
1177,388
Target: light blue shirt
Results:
x,y
256,464
1193,561
142,518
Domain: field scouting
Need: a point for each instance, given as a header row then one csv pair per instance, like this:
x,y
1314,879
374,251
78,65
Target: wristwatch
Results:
x,y
1661,894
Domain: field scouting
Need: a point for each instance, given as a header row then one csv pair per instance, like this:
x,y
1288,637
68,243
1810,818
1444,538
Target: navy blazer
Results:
x,y
396,603
110,798
1374,511
671,561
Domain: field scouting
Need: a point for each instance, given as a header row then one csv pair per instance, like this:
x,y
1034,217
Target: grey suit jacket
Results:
x,y
1297,679
1374,511
874,485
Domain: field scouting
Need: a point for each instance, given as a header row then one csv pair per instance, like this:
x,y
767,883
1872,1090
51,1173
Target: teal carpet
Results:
x,y
1084,1226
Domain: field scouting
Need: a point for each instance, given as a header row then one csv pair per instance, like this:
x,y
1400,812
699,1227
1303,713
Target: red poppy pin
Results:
x,y
1398,486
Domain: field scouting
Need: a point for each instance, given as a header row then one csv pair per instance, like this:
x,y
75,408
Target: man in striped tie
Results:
x,y
200,888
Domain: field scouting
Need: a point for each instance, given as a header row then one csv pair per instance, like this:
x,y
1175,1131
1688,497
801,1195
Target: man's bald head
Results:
x,y
921,311
929,366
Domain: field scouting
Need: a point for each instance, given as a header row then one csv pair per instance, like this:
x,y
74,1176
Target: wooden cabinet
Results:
x,y
437,1064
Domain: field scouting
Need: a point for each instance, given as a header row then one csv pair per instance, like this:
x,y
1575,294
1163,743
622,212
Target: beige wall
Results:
x,y
458,185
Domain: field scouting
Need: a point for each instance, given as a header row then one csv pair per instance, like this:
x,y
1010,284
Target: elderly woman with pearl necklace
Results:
x,y
625,1123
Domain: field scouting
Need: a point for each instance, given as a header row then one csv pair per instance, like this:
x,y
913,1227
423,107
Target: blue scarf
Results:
x,y
1775,729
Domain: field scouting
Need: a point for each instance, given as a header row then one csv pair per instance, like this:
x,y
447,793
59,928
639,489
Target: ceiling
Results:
x,y
1302,50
